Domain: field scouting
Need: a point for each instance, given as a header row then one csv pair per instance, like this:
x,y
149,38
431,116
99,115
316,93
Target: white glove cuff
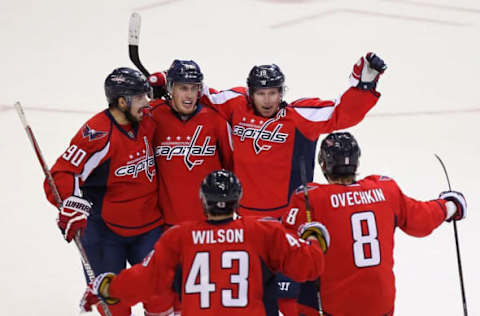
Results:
x,y
451,209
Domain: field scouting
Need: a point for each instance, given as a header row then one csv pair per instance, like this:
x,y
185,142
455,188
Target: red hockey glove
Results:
x,y
366,71
157,79
316,230
158,82
460,211
73,216
98,291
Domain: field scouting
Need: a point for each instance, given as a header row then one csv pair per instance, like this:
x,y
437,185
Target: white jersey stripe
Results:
x,y
230,140
94,161
220,97
76,186
316,114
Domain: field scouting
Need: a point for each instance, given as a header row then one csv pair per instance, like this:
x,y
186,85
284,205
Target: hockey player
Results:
x,y
106,178
191,141
223,261
269,135
362,216
271,138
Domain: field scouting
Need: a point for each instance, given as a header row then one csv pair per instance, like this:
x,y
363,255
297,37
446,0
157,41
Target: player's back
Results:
x,y
225,265
361,221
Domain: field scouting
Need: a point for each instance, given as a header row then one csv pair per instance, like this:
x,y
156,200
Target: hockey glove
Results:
x,y
98,291
73,216
366,72
460,210
158,82
317,230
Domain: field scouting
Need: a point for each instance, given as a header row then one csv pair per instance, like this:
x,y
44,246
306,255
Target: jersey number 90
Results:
x,y
75,155
198,279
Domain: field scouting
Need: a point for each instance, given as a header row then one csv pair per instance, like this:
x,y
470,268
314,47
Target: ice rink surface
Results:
x,y
55,56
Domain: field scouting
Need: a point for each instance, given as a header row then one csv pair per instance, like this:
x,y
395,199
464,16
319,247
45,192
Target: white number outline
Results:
x,y
359,239
200,265
292,216
74,154
200,268
241,279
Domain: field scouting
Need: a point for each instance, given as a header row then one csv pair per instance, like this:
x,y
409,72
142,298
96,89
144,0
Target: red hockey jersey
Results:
x,y
185,152
114,168
222,265
361,219
268,151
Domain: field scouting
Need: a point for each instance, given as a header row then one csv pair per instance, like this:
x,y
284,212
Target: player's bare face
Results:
x,y
184,97
266,101
138,103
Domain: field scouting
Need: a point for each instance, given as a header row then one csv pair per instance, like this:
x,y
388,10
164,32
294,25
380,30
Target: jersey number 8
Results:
x,y
366,248
200,271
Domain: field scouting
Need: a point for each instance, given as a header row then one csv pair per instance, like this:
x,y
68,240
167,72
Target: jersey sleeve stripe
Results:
x,y
220,97
76,186
230,140
316,114
94,161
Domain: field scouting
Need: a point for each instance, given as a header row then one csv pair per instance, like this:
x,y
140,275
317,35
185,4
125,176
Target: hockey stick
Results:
x,y
303,176
133,40
459,260
58,199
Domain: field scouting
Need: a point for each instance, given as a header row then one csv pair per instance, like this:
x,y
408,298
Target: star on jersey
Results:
x,y
92,134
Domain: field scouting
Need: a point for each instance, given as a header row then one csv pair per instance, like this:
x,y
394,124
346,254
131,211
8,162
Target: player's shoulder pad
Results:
x,y
96,128
240,90
269,219
378,177
155,103
310,186
171,229
311,103
382,180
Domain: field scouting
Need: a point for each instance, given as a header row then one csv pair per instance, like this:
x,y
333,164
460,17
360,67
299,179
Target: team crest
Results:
x,y
92,134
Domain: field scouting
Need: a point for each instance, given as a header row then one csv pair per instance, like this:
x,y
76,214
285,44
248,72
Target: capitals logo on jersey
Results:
x,y
144,163
188,149
92,134
259,132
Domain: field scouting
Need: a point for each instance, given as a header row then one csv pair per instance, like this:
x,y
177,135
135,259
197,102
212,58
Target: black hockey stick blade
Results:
x,y
133,51
445,171
133,40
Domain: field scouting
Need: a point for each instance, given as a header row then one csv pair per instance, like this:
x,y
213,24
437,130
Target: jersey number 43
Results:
x,y
198,279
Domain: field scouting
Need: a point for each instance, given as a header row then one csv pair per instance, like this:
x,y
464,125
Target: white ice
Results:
x,y
55,55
